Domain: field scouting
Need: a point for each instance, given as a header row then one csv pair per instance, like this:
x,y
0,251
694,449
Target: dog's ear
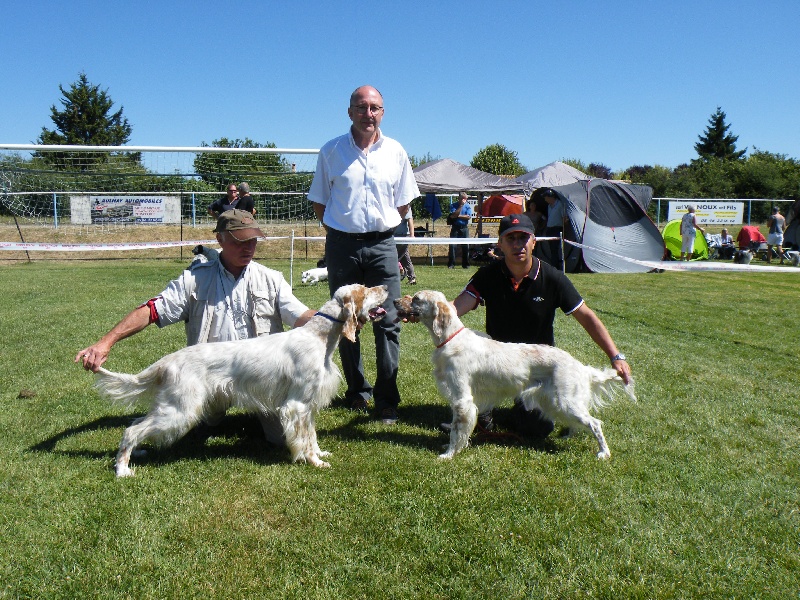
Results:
x,y
440,319
350,314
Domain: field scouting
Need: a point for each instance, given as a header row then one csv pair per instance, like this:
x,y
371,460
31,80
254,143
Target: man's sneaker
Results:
x,y
532,423
485,423
359,404
389,416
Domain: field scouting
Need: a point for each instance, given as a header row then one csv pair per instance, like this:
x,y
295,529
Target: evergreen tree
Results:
x,y
86,119
717,142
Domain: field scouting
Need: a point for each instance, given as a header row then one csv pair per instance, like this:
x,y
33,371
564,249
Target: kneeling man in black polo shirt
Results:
x,y
521,295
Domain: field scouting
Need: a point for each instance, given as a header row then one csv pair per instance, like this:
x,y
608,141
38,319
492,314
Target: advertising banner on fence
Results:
x,y
709,212
131,209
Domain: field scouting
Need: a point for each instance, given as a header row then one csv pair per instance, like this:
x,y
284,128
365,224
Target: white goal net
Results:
x,y
54,185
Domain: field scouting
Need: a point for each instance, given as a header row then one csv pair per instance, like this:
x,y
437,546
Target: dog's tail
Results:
x,y
607,384
124,389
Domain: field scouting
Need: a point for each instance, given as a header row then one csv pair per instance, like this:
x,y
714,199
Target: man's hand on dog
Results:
x,y
93,357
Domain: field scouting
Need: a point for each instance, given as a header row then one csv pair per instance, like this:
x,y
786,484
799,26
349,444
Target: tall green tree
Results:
x,y
497,159
717,141
86,118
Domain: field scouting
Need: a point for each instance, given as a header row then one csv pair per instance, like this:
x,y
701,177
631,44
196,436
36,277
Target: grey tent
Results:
x,y
611,217
551,175
446,176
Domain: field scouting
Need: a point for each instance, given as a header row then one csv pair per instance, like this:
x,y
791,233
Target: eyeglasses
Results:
x,y
363,108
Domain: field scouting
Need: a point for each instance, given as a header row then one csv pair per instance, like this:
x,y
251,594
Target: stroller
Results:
x,y
750,238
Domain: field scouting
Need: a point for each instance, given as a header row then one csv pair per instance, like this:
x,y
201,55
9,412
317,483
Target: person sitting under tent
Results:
x,y
727,249
721,244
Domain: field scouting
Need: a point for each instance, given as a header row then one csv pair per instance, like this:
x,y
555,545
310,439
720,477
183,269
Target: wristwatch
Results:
x,y
616,357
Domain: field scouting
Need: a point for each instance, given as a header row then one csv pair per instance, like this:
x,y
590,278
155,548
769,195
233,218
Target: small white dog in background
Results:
x,y
475,373
314,276
794,257
742,257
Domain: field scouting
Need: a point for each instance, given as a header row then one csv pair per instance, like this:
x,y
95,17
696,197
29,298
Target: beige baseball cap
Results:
x,y
240,221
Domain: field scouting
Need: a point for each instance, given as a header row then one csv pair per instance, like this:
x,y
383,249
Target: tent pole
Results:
x,y
480,214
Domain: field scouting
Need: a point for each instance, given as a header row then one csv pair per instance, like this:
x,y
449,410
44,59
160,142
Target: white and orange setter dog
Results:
x,y
290,373
475,373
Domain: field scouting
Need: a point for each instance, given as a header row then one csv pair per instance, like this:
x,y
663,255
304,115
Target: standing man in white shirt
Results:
x,y
361,190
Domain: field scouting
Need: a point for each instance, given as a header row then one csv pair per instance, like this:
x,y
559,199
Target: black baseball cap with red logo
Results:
x,y
518,222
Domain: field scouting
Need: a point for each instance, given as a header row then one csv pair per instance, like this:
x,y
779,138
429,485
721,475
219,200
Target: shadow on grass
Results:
x,y
238,435
430,418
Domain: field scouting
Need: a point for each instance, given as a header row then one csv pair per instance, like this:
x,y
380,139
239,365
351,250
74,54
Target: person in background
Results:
x,y
689,227
777,224
227,202
537,218
232,298
726,247
245,201
360,192
406,229
791,235
556,217
521,294
460,215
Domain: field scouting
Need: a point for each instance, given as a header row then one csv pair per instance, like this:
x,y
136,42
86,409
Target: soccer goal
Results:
x,y
132,185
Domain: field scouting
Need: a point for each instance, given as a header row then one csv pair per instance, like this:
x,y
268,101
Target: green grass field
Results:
x,y
699,499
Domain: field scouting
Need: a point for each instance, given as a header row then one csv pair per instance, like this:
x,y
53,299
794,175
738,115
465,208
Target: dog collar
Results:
x,y
451,337
330,318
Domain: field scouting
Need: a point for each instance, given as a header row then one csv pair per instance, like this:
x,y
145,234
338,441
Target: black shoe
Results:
x,y
485,423
412,281
532,424
451,266
359,404
389,416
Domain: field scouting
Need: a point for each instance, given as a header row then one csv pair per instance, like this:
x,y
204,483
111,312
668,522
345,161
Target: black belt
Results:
x,y
369,236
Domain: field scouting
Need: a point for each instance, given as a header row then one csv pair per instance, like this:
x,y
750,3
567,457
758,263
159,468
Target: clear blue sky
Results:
x,y
619,83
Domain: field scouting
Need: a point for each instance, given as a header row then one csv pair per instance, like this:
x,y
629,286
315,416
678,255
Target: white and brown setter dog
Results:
x,y
291,373
475,373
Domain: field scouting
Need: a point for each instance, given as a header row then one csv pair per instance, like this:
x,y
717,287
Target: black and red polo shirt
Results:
x,y
523,313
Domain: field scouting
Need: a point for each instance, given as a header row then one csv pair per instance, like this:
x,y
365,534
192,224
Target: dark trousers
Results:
x,y
555,257
369,263
458,232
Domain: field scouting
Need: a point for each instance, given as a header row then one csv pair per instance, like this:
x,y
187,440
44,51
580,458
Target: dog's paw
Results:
x,y
323,453
446,456
316,462
124,471
604,455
